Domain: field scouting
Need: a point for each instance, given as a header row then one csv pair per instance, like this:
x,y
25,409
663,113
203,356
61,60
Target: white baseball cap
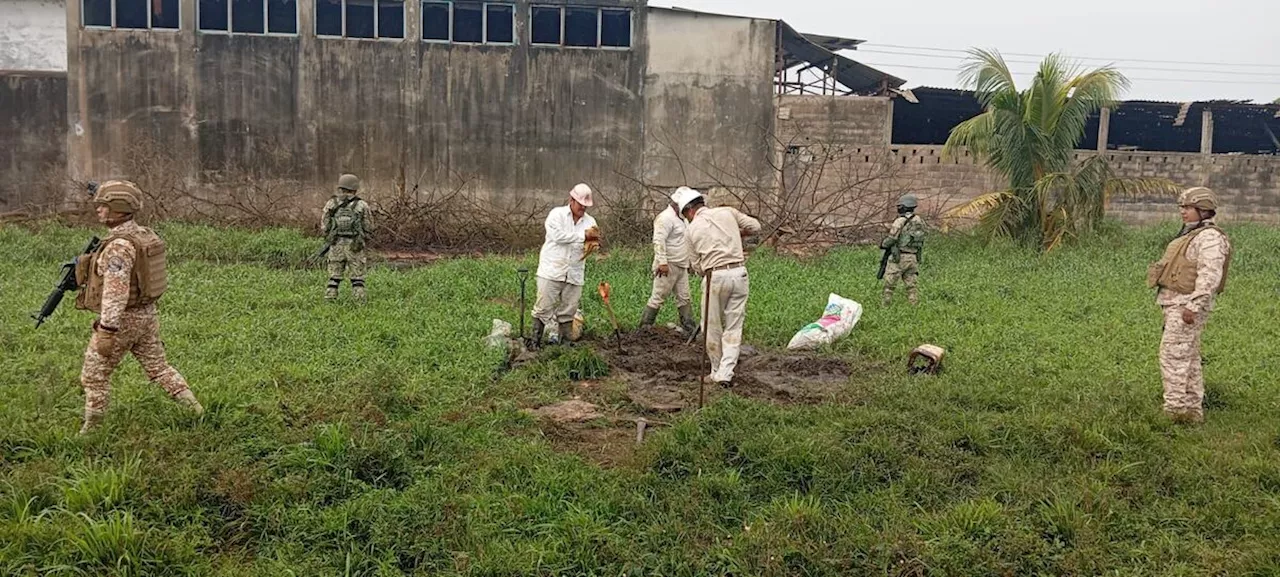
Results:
x,y
582,194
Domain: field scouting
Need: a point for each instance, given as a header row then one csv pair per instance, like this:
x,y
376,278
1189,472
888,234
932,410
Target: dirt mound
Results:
x,y
661,372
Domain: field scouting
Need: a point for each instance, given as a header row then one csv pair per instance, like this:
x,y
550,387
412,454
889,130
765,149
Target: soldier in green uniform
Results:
x,y
346,225
905,241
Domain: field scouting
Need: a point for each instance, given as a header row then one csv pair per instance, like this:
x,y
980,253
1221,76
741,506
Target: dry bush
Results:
x,y
455,218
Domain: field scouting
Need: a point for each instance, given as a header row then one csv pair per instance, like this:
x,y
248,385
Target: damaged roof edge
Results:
x,y
854,75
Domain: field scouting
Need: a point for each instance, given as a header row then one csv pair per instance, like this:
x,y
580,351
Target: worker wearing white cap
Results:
x,y
715,245
561,270
671,265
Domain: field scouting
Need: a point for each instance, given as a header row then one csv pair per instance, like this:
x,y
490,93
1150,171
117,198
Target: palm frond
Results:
x,y
979,205
988,75
974,134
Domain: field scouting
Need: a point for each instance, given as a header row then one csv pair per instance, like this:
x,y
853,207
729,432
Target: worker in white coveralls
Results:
x,y
671,266
561,266
715,253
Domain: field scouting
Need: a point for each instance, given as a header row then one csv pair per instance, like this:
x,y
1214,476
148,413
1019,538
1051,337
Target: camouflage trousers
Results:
x,y
139,334
906,270
1180,363
345,261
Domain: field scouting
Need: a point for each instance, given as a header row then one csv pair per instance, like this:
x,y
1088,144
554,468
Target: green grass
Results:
x,y
384,440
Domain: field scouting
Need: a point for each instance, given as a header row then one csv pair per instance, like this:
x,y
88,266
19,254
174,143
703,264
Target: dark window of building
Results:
x,y
615,28
500,23
545,25
329,17
468,22
360,19
581,27
282,16
248,16
96,12
164,14
131,14
212,15
390,18
435,20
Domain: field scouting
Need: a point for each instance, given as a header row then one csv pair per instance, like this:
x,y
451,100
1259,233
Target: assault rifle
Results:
x,y
329,240
884,262
67,282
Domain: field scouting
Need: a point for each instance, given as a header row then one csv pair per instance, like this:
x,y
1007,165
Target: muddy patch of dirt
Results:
x,y
661,372
656,375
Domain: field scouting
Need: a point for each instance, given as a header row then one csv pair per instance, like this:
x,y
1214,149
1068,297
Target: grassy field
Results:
x,y
385,440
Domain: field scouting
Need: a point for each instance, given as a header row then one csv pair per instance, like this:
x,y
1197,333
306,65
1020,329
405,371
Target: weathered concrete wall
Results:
x,y
33,35
33,128
709,99
512,122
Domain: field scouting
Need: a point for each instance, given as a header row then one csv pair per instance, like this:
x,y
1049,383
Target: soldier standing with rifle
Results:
x,y
122,282
346,225
902,249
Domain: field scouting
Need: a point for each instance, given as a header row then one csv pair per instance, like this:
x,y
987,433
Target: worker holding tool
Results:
x,y
561,267
670,266
715,245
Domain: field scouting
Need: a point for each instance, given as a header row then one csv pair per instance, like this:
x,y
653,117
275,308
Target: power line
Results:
x,y
956,50
1180,70
1190,80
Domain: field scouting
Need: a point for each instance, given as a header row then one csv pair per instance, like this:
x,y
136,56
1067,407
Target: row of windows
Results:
x,y
461,22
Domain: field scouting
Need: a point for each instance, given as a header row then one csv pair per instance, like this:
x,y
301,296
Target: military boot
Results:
x,y
647,320
887,298
566,333
535,341
913,297
331,291
188,399
91,421
357,289
688,323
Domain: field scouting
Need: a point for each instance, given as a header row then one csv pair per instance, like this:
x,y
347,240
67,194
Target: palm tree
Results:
x,y
1030,137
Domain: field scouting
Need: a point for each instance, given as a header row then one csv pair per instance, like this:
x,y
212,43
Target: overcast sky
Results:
x,y
1239,39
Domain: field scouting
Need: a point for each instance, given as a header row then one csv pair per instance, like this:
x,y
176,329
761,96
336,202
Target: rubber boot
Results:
x,y
647,319
535,341
566,332
688,323
91,421
188,399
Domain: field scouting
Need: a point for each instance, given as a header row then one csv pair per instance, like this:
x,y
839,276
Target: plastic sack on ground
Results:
x,y
836,322
498,336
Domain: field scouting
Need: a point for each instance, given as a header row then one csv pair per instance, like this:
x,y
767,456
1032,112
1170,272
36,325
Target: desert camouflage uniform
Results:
x,y
346,255
1180,344
906,265
138,333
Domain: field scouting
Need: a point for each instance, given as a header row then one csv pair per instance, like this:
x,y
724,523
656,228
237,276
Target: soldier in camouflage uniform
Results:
x,y
121,282
905,241
346,225
1192,271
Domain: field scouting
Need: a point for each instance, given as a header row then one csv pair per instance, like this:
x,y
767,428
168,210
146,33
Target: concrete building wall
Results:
x,y
33,125
33,35
709,99
510,121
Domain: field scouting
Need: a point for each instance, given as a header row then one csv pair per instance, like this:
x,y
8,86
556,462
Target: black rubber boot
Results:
x,y
688,323
535,341
647,320
566,331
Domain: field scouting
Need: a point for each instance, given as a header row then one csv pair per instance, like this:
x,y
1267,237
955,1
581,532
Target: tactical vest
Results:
x,y
147,282
346,221
911,236
1178,273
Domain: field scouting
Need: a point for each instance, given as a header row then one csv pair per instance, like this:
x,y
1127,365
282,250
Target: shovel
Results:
x,y
604,295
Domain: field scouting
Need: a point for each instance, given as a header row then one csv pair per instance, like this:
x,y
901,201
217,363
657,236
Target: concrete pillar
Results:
x,y
1206,132
888,125
1104,128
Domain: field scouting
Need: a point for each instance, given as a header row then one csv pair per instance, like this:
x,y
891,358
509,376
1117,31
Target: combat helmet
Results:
x,y
1199,197
120,196
349,182
909,201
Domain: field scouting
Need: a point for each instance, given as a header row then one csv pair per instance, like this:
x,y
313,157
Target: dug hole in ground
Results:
x,y
654,375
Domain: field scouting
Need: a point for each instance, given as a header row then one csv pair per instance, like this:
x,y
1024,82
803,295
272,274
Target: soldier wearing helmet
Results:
x,y
1191,273
346,225
671,265
904,244
121,282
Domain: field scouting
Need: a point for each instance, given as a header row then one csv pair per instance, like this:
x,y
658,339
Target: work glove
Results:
x,y
104,339
663,270
592,234
1188,316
